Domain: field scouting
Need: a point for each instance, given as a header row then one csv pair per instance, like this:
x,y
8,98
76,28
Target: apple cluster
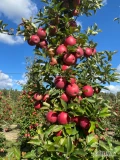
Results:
x,y
38,39
71,89
69,58
64,118
39,98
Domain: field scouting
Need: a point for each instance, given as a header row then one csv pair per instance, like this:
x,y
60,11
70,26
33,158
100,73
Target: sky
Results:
x,y
14,50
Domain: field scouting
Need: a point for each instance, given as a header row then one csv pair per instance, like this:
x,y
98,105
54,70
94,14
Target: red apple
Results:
x,y
35,125
84,122
88,52
37,105
45,97
59,133
31,43
61,49
88,91
34,113
76,119
72,80
42,44
34,39
51,52
41,33
52,30
65,97
79,52
94,51
63,118
51,116
72,23
31,127
72,90
26,135
53,61
70,41
64,67
24,93
69,59
30,92
79,98
76,12
97,90
37,96
60,82
106,129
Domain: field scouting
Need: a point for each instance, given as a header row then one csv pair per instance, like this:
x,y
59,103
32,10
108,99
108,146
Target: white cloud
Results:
x,y
118,68
112,88
22,81
104,2
17,9
5,81
11,40
79,23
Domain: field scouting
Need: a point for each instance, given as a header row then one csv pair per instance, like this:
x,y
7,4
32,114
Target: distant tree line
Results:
x,y
11,93
14,94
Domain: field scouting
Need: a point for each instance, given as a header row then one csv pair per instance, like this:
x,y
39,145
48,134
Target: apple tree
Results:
x,y
71,73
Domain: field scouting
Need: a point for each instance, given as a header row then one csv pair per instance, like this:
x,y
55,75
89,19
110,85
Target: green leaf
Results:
x,y
102,144
79,152
80,110
69,145
69,131
50,148
30,154
40,131
46,104
104,115
117,149
14,152
57,128
90,100
56,139
64,104
105,109
72,105
104,112
92,126
62,141
92,140
17,153
45,1
53,128
35,142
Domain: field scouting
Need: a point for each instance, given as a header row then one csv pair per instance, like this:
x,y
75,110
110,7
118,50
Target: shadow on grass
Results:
x,y
3,154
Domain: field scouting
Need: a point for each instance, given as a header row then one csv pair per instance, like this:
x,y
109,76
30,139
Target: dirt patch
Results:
x,y
12,133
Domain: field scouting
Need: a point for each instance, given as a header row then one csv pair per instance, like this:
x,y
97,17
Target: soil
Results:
x,y
12,133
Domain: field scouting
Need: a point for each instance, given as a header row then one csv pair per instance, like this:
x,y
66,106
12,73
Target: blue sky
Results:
x,y
14,50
